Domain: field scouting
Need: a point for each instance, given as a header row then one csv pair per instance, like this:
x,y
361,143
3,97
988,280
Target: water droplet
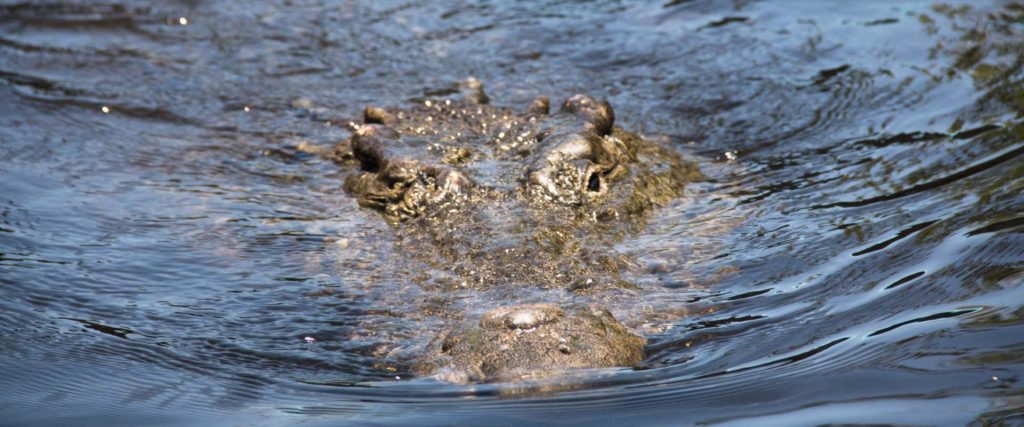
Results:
x,y
246,108
183,20
105,109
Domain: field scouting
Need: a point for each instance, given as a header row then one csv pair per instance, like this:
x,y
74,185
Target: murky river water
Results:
x,y
855,254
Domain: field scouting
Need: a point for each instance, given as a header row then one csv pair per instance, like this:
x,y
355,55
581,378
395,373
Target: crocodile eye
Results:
x,y
594,182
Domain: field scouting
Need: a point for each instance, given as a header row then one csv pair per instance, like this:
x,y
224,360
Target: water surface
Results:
x,y
855,254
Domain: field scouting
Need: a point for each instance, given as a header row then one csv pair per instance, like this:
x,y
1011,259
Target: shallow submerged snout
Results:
x,y
533,341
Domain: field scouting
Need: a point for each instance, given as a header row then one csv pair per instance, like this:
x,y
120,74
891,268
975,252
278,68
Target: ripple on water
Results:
x,y
168,243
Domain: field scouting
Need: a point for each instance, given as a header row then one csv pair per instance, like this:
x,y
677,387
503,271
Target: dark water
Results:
x,y
856,254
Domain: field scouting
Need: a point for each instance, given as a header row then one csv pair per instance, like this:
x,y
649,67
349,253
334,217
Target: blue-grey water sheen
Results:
x,y
855,256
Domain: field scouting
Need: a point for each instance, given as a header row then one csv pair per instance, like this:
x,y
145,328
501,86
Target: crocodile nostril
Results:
x,y
594,182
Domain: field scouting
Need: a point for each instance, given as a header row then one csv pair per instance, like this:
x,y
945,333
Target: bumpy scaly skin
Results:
x,y
402,187
580,157
505,198
531,341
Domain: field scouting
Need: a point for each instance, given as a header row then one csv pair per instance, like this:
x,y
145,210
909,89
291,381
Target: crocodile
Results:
x,y
504,200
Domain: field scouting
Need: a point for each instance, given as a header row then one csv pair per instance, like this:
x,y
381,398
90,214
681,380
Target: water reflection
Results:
x,y
170,237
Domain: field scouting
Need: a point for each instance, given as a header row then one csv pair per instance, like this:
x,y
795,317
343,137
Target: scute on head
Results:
x,y
596,114
378,115
541,106
472,90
